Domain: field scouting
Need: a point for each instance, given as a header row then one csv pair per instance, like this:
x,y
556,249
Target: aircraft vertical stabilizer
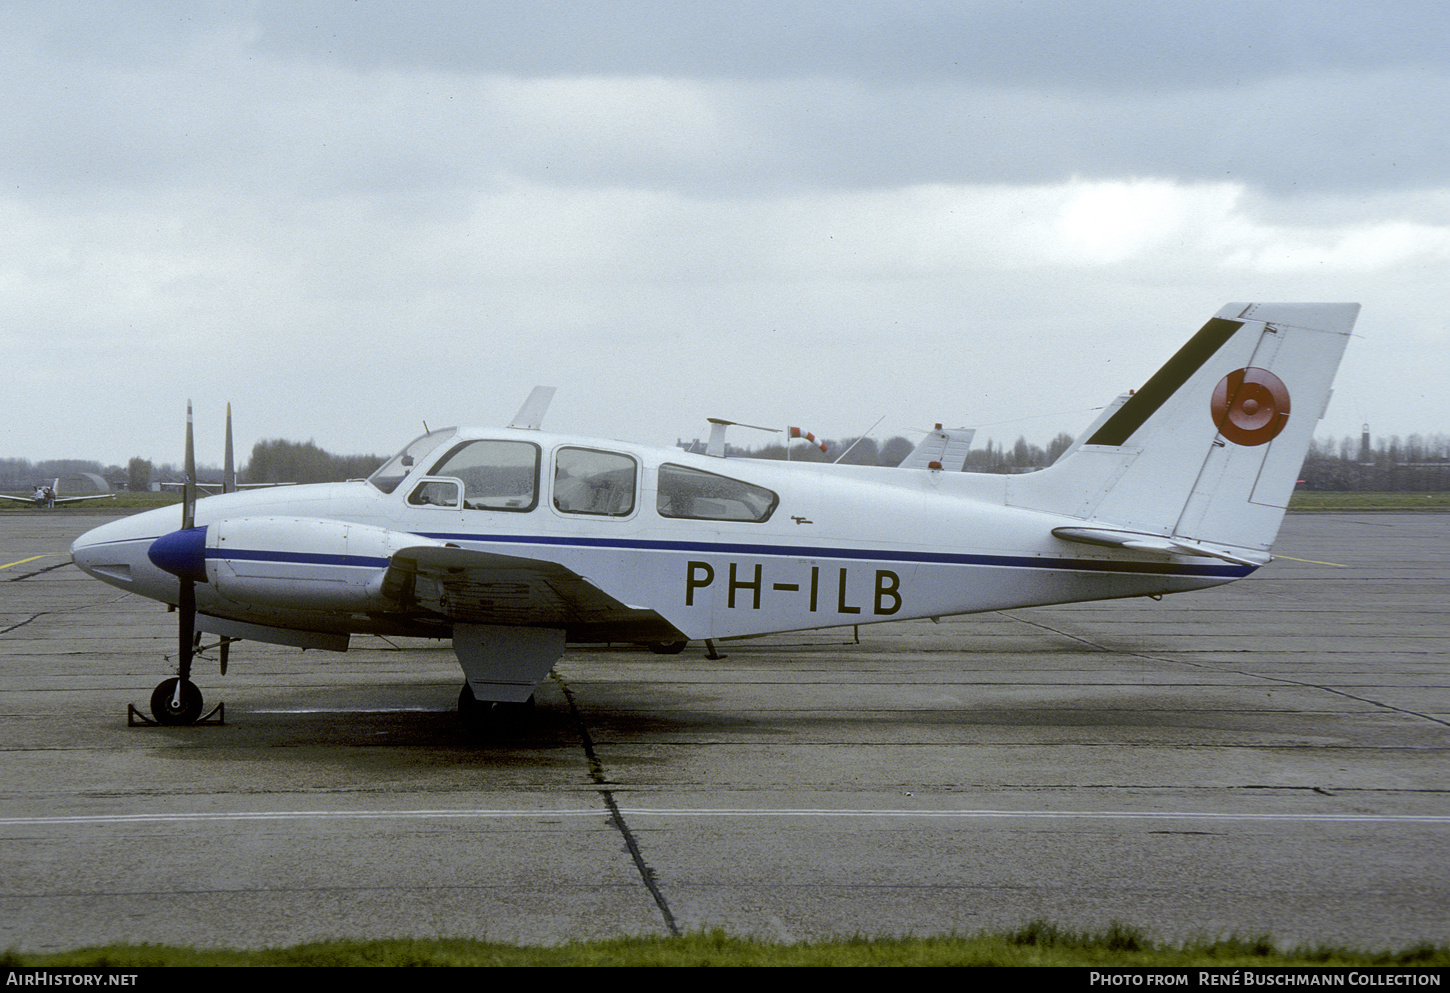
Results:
x,y
947,447
1209,450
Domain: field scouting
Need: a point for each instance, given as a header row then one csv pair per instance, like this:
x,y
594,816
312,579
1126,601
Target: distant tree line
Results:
x,y
1416,463
280,461
22,474
1419,463
273,461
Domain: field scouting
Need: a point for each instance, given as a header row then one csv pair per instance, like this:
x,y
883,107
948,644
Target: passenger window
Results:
x,y
704,496
496,475
593,482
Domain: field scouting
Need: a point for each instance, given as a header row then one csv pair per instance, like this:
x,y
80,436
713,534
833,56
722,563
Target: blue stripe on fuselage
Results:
x,y
303,558
1226,570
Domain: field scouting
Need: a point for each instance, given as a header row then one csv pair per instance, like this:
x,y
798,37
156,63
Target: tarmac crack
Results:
x,y
69,610
22,624
616,817
1241,672
37,572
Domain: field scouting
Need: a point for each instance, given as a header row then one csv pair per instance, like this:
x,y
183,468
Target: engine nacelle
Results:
x,y
302,563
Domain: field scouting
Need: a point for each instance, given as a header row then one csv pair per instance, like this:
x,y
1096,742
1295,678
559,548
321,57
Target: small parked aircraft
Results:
x,y
48,496
513,542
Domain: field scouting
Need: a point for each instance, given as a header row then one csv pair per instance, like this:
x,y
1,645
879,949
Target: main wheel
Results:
x,y
166,708
491,716
667,647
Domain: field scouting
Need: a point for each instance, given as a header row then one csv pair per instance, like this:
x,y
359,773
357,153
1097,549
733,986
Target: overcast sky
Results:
x,y
349,218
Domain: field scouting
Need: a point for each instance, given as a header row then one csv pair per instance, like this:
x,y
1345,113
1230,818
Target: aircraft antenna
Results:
x,y
859,440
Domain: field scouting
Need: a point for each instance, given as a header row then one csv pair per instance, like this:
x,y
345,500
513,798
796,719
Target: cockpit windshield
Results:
x,y
396,469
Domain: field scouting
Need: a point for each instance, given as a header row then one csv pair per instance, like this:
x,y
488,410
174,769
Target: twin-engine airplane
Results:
x,y
514,543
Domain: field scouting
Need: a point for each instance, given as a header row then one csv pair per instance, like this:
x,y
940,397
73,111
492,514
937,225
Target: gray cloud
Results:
x,y
346,216
1110,44
320,130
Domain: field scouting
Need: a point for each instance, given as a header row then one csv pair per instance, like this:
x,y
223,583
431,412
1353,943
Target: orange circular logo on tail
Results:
x,y
1250,406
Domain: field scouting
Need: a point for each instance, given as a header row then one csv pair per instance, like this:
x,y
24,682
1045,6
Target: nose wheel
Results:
x,y
176,701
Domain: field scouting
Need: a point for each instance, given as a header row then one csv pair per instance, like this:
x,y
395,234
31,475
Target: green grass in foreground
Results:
x,y
1335,500
1035,944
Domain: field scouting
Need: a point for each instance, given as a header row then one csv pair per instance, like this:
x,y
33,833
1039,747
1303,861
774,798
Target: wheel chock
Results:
x,y
139,719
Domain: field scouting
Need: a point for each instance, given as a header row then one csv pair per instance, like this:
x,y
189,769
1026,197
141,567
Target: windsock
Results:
x,y
798,433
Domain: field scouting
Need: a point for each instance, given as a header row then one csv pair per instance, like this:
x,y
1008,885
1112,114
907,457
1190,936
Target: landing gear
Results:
x,y
667,647
492,717
176,701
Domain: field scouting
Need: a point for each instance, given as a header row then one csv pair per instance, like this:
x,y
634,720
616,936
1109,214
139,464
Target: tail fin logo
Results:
x,y
1250,406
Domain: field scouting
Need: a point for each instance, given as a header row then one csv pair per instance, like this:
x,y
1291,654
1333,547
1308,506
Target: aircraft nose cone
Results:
x,y
181,553
83,552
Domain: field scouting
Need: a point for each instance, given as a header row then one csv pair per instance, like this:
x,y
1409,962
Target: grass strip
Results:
x,y
1038,943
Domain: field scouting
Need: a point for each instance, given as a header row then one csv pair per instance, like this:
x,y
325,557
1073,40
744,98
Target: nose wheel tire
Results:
x,y
170,707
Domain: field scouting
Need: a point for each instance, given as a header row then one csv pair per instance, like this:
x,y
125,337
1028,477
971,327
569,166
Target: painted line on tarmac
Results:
x,y
1291,558
355,710
32,558
705,812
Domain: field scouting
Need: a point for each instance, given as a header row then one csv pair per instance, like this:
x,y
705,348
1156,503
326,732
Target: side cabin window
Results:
x,y
703,496
587,481
435,493
396,469
496,475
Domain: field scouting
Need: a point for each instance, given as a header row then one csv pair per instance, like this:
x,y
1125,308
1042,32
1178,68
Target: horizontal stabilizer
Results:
x,y
1144,542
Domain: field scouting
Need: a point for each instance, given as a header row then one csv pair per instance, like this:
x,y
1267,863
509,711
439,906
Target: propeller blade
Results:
x,y
188,487
229,470
186,630
186,608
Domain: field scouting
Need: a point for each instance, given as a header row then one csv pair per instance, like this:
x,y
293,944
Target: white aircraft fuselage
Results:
x,y
845,545
513,541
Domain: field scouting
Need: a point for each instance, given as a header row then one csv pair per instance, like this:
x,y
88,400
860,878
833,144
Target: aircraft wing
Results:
x,y
487,588
93,496
211,489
